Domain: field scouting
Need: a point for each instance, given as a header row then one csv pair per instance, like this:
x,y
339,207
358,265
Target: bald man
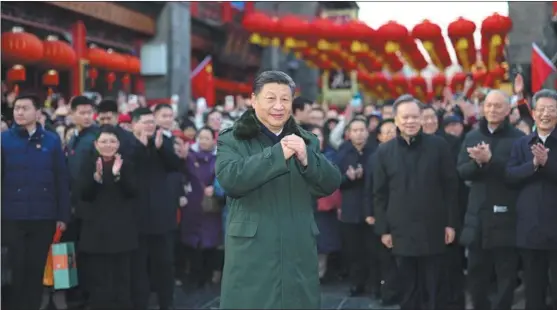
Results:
x,y
489,231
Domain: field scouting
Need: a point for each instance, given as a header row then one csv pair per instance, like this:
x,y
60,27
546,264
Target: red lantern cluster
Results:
x,y
432,39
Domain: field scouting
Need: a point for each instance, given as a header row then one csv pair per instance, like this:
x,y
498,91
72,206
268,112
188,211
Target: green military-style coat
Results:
x,y
270,244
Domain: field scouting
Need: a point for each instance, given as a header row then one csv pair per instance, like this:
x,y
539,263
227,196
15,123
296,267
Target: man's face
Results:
x,y
408,118
82,116
302,116
430,122
165,118
387,132
496,108
372,125
545,114
368,110
273,105
357,133
387,112
25,112
146,123
107,118
454,129
317,117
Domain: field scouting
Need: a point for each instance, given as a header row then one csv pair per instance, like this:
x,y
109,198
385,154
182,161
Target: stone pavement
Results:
x,y
334,296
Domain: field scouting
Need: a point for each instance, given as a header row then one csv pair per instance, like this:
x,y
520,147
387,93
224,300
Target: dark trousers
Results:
x,y
362,246
153,269
421,279
390,290
110,281
28,244
455,276
481,263
203,262
536,264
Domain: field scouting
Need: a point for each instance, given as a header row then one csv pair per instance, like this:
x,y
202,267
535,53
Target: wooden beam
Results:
x,y
111,13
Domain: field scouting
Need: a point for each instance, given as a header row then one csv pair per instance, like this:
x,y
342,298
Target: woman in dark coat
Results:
x,y
202,231
328,240
109,233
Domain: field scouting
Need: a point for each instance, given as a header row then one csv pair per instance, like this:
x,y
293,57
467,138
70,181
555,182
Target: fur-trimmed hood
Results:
x,y
248,127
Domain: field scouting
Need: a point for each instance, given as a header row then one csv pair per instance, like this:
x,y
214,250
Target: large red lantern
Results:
x,y
393,35
117,62
20,47
58,54
326,29
292,28
134,64
98,57
260,26
494,32
461,33
432,39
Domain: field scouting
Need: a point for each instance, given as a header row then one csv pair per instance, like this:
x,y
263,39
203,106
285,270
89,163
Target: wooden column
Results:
x,y
79,42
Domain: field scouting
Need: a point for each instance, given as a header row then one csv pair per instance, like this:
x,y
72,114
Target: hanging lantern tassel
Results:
x,y
93,74
494,44
51,79
126,82
430,48
462,47
110,79
16,75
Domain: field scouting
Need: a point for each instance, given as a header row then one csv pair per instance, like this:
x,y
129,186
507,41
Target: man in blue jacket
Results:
x,y
35,199
533,167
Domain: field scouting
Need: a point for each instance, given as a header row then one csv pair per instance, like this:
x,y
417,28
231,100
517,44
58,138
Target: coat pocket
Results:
x,y
242,229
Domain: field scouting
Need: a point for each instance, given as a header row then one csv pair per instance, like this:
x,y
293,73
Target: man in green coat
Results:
x,y
271,171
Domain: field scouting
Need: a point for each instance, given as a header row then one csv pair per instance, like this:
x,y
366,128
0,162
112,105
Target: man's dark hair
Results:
x,y
207,128
109,129
299,104
107,105
544,93
268,77
355,120
383,122
139,112
80,100
34,99
424,107
161,106
404,99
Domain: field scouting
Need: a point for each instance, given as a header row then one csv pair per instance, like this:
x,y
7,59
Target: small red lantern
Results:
x,y
19,47
126,81
93,75
292,26
438,83
457,82
16,75
427,31
110,79
392,31
51,79
326,29
360,31
400,84
461,28
58,54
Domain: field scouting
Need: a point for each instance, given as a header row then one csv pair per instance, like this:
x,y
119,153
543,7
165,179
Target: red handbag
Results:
x,y
330,202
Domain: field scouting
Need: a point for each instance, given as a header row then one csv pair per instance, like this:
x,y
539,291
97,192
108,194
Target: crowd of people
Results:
x,y
429,193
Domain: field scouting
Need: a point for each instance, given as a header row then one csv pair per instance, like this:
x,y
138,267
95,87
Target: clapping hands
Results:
x,y
540,153
480,153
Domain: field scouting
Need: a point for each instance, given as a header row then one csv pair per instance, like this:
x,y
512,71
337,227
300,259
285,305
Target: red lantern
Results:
x,y
359,31
19,47
58,54
326,29
380,85
392,31
494,31
126,81
117,62
110,79
16,75
400,84
438,83
291,26
98,57
51,79
432,39
457,82
260,26
461,33
419,87
93,74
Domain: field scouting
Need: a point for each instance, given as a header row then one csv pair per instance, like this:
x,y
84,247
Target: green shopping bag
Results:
x,y
64,265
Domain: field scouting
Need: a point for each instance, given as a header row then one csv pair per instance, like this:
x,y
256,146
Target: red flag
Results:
x,y
542,68
202,82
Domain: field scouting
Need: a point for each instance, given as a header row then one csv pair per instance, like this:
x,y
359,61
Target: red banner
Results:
x,y
202,81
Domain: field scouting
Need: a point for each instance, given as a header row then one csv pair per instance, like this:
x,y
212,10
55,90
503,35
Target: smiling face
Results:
x,y
545,114
408,118
273,105
496,108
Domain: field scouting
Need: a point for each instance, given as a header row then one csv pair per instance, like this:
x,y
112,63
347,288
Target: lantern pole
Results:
x,y
275,50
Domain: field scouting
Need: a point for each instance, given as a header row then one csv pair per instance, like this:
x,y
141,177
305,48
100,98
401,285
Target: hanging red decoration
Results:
x,y
51,79
434,43
461,33
399,85
457,82
20,47
495,29
326,29
262,28
58,54
117,62
126,81
438,83
291,28
16,75
380,85
110,79
93,75
134,64
418,87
